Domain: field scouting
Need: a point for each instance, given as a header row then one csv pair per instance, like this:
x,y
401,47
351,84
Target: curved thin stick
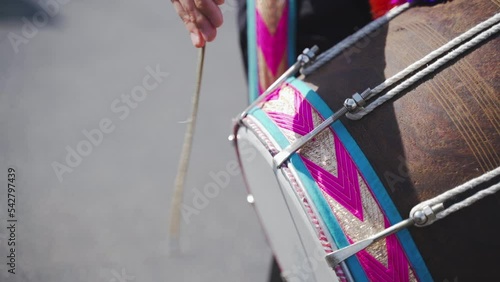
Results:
x,y
175,212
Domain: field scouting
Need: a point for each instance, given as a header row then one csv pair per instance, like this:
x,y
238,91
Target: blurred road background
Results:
x,y
97,208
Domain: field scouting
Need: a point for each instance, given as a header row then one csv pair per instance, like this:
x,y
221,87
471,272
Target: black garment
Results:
x,y
320,22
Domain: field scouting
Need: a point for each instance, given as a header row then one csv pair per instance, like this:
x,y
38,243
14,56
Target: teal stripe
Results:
x,y
372,179
270,126
253,79
313,190
333,226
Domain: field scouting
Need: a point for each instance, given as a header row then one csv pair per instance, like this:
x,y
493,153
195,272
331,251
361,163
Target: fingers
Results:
x,y
210,10
197,39
201,18
206,16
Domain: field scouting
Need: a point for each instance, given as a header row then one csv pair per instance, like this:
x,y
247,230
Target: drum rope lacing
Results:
x,y
331,53
430,68
458,205
353,107
426,213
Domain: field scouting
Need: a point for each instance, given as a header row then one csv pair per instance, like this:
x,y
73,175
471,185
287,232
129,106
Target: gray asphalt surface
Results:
x,y
103,215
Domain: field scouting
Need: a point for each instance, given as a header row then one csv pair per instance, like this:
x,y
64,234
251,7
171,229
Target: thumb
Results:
x,y
197,39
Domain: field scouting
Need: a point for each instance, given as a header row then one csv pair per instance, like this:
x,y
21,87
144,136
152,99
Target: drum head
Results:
x,y
289,231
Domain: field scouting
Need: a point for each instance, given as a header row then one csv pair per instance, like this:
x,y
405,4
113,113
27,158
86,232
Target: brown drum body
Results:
x,y
435,136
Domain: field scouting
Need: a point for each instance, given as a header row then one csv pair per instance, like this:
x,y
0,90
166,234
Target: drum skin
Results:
x,y
435,136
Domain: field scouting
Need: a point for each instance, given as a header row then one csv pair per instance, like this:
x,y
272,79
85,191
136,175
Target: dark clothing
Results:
x,y
320,22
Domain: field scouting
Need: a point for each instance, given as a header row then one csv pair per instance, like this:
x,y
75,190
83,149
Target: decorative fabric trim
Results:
x,y
348,194
271,42
313,218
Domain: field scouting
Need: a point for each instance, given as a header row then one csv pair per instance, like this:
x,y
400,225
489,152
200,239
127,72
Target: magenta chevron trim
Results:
x,y
271,40
320,233
344,188
300,123
273,46
349,196
397,269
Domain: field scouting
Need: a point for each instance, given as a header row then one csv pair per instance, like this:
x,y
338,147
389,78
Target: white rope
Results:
x,y
469,201
350,40
430,68
340,255
434,54
461,189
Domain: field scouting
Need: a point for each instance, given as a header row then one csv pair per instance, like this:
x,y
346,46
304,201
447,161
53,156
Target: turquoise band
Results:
x,y
372,179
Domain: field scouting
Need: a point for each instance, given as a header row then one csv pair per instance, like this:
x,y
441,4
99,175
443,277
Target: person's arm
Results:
x,y
201,18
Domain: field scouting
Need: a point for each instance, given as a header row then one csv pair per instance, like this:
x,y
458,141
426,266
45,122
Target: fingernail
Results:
x,y
195,39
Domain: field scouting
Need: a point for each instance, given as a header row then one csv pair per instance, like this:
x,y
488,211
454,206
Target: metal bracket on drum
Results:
x,y
303,59
350,105
422,217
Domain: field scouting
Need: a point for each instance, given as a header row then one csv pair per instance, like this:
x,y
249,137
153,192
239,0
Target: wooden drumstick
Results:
x,y
175,215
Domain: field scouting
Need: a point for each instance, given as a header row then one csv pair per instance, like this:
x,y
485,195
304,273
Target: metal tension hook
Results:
x,y
303,59
420,217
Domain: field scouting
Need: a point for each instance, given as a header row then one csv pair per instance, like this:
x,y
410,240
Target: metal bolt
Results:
x,y
429,213
358,99
419,217
308,55
250,199
350,104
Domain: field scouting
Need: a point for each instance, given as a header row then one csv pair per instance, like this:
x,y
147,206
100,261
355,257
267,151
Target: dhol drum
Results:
x,y
360,177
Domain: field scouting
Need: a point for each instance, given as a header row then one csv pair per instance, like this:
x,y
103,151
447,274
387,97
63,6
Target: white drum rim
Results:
x,y
251,123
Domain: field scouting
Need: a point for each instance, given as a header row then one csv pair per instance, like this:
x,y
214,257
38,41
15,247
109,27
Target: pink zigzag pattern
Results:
x,y
300,123
273,46
344,188
397,269
327,246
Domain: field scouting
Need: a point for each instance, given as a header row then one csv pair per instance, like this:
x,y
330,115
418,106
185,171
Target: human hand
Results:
x,y
201,18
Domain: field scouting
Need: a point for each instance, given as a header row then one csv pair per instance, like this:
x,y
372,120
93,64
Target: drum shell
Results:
x,y
434,136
